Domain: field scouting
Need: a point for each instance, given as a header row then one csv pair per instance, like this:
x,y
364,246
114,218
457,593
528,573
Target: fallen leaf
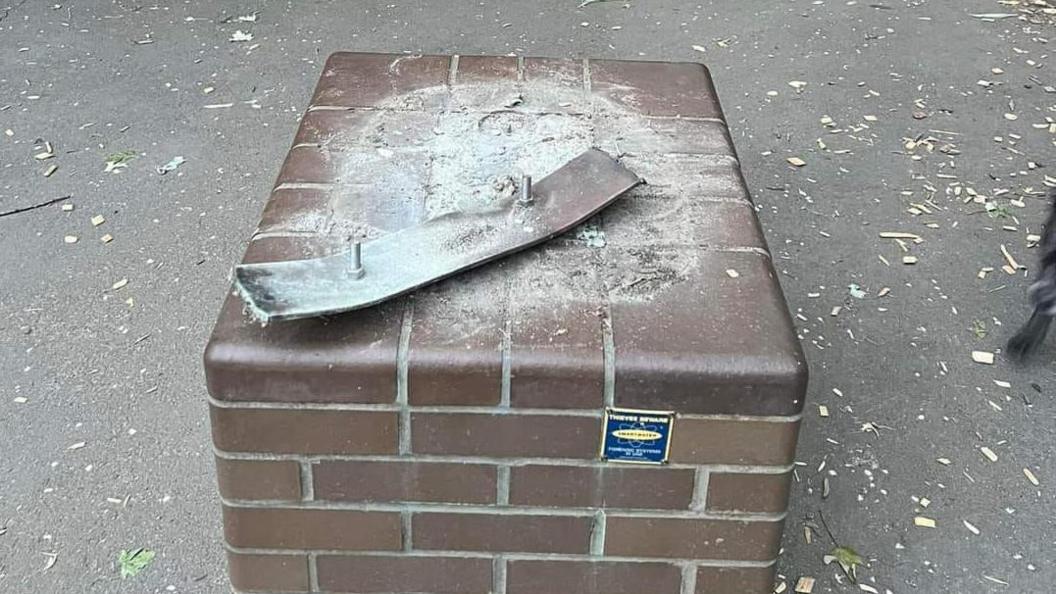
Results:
x,y
132,562
119,160
847,558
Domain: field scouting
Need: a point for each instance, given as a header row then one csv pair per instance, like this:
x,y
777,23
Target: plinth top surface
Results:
x,y
666,300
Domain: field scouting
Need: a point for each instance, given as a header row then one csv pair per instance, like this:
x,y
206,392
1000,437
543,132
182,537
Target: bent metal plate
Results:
x,y
636,436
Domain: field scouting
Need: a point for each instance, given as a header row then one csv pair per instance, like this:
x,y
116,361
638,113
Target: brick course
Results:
x,y
448,443
435,482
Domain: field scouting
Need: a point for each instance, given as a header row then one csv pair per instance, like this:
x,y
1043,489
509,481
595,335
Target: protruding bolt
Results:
x,y
355,264
526,189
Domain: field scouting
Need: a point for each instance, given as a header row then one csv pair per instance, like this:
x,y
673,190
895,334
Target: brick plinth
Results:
x,y
448,442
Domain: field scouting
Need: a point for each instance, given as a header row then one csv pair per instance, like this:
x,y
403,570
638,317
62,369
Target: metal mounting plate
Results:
x,y
410,258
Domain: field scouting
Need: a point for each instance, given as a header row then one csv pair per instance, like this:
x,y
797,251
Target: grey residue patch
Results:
x,y
641,274
480,141
592,236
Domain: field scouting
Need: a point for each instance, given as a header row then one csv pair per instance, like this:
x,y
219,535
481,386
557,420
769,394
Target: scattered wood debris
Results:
x,y
984,357
805,585
923,522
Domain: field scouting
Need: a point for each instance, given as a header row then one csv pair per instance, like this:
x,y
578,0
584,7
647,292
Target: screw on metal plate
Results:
x,y
355,262
526,190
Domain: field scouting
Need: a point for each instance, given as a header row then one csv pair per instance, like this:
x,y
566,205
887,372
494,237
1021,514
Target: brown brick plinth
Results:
x,y
448,442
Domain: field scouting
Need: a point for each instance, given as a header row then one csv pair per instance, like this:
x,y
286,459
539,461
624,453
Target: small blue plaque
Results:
x,y
641,436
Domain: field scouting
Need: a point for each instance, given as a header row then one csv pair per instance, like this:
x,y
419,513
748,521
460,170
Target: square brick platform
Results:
x,y
448,442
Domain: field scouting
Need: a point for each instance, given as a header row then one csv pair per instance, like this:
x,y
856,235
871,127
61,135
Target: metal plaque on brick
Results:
x,y
637,436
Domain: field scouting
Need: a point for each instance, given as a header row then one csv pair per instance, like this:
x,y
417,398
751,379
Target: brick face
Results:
x,y
268,573
281,528
709,441
382,574
281,431
511,533
735,580
692,538
543,436
610,486
590,577
405,481
748,492
258,479
419,476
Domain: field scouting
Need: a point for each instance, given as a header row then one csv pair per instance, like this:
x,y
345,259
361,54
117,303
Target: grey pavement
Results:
x,y
104,440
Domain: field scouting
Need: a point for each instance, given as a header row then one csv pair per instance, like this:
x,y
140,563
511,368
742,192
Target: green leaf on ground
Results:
x,y
135,561
979,329
849,560
119,160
